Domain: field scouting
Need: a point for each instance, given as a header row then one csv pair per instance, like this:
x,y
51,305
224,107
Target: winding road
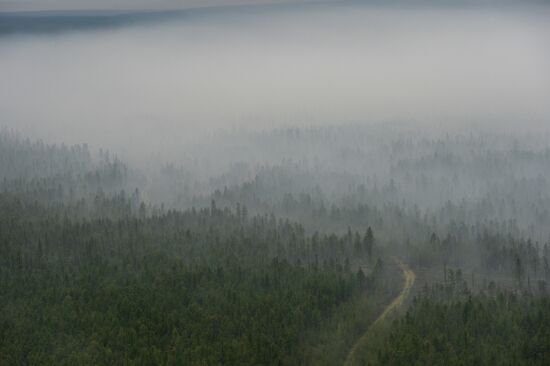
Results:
x,y
362,342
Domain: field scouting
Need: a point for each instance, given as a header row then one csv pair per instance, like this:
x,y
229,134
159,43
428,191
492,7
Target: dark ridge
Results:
x,y
56,22
60,22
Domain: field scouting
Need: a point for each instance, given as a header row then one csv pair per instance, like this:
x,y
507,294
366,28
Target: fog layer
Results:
x,y
149,89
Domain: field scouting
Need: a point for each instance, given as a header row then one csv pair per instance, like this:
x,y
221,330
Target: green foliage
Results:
x,y
167,314
193,287
489,328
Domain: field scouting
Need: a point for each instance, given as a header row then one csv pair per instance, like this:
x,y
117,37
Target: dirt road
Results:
x,y
409,277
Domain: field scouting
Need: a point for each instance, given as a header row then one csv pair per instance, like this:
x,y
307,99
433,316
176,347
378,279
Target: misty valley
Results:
x,y
332,183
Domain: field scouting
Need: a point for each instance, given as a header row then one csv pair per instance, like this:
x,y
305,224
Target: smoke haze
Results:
x,y
145,89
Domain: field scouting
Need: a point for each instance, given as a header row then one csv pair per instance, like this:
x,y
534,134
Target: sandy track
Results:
x,y
409,277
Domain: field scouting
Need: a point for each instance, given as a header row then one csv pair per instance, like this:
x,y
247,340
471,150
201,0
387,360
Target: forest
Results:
x,y
286,268
274,182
